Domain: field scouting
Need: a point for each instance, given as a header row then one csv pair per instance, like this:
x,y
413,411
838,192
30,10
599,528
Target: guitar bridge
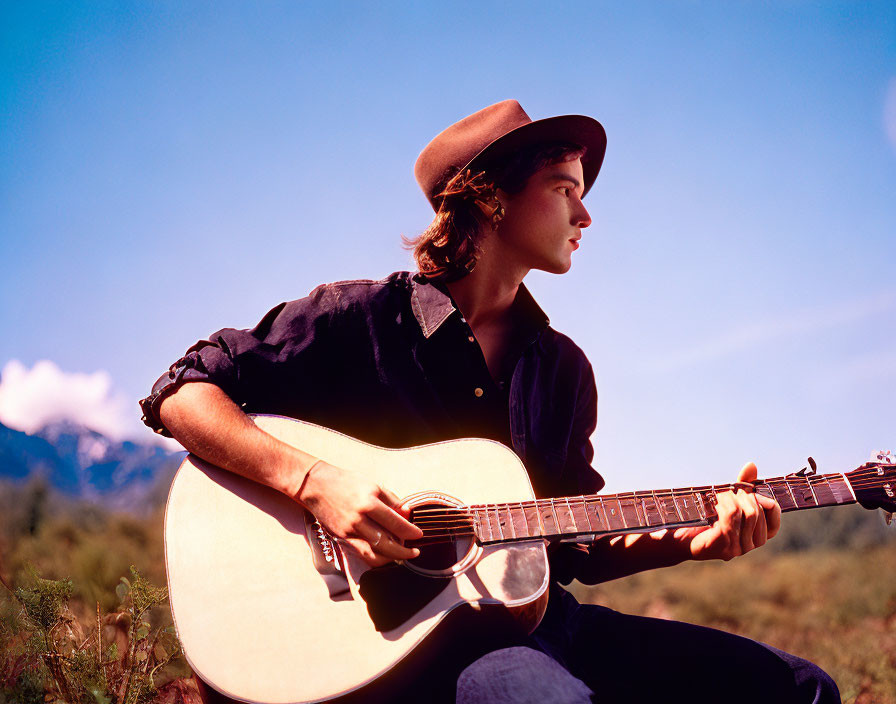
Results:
x,y
325,554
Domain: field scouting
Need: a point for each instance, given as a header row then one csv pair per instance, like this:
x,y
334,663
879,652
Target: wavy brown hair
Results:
x,y
449,248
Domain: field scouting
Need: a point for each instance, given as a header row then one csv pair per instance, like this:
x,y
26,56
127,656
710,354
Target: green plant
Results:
x,y
48,656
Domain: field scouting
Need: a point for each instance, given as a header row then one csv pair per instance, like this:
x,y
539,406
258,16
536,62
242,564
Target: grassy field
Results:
x,y
824,589
835,607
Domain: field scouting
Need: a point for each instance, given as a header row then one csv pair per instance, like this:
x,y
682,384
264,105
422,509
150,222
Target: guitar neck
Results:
x,y
639,511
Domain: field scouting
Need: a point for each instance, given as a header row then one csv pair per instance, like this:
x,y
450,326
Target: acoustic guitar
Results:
x,y
271,609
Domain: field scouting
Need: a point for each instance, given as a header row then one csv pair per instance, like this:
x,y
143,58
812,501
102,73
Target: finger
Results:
x,y
750,527
760,532
729,524
772,511
748,473
391,520
749,513
392,501
366,553
383,543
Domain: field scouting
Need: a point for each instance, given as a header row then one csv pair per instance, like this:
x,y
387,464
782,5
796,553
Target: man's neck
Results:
x,y
485,296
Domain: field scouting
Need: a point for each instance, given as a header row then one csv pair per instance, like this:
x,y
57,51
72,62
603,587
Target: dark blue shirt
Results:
x,y
395,364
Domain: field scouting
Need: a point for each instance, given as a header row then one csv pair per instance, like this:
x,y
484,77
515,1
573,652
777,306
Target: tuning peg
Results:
x,y
806,471
885,456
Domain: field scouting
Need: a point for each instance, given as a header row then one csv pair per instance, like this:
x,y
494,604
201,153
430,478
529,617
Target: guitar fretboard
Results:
x,y
641,511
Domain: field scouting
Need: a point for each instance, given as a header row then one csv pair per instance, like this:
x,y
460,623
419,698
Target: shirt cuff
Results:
x,y
188,368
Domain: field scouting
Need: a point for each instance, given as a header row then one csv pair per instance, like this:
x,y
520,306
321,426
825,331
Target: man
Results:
x,y
461,349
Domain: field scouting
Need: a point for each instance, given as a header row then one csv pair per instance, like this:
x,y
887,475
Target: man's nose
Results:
x,y
582,218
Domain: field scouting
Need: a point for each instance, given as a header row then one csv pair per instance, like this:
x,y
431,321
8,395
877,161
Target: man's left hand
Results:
x,y
746,520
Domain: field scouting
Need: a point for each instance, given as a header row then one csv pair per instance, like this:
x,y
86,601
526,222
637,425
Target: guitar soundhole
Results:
x,y
448,537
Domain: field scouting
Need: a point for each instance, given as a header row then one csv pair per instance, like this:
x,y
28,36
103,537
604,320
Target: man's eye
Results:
x,y
565,190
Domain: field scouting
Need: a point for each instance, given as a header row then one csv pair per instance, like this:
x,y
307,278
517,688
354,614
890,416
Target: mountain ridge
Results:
x,y
82,463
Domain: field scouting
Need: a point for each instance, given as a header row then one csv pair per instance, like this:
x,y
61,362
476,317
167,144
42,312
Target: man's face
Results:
x,y
542,223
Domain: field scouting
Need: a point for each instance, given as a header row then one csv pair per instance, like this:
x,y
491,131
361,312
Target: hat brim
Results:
x,y
578,129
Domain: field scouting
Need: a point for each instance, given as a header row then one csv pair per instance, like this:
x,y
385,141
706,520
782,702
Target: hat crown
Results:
x,y
456,145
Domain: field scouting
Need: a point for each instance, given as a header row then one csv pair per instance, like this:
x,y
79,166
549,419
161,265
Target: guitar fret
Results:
x,y
638,503
484,524
572,516
518,521
790,491
547,517
640,512
842,489
565,521
708,500
613,511
635,503
689,502
782,494
824,495
802,492
669,512
595,507
766,491
812,490
652,513
580,514
533,524
629,512
494,522
506,517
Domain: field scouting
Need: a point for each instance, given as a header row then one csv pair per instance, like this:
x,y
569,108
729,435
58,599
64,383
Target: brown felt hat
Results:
x,y
496,132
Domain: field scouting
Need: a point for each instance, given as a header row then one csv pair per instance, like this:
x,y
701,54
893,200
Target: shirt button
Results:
x,y
478,392
471,338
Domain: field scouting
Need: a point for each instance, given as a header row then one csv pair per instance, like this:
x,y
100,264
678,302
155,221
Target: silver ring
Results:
x,y
379,537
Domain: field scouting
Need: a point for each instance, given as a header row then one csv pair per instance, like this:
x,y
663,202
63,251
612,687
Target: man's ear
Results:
x,y
490,199
503,197
487,207
492,209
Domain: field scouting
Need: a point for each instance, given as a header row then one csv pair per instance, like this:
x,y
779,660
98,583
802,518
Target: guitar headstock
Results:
x,y
874,483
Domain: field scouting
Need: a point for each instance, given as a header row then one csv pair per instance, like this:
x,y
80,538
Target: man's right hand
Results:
x,y
354,509
359,513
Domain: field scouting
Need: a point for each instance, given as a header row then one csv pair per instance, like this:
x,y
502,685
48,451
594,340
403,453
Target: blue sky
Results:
x,y
168,169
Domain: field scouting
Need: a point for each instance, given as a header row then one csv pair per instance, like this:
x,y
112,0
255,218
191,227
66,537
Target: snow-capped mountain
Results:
x,y
86,464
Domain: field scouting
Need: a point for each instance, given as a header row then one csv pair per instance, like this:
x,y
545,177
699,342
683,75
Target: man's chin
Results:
x,y
557,267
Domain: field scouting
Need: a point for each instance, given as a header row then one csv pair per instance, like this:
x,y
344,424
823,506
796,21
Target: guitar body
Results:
x,y
271,610
262,613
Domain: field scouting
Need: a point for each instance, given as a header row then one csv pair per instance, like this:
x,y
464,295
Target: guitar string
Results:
x,y
447,517
439,533
452,522
664,493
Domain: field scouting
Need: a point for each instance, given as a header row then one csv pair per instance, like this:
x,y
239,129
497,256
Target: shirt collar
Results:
x,y
432,306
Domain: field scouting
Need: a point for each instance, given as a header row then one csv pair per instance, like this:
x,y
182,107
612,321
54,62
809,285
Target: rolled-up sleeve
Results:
x,y
284,347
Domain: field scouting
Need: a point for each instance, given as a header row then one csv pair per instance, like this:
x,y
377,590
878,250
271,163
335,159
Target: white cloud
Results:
x,y
31,398
890,113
